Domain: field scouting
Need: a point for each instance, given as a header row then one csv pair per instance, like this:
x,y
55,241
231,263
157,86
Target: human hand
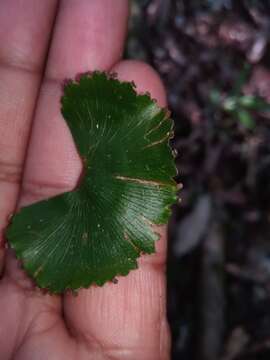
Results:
x,y
123,321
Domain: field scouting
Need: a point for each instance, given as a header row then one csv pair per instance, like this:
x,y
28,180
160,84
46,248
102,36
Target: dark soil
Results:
x,y
208,53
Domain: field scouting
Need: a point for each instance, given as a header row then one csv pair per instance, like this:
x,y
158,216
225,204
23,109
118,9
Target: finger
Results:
x,y
127,320
24,35
88,35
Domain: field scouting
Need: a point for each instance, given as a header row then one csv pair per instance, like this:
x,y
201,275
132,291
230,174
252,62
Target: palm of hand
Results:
x,y
123,321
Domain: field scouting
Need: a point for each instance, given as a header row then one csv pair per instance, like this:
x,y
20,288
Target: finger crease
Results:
x,y
10,172
20,65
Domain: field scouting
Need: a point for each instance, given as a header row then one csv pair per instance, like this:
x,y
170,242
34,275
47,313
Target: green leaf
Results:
x,y
97,231
246,119
230,104
251,102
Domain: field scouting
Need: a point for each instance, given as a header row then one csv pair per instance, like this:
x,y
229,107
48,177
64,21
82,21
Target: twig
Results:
x,y
212,295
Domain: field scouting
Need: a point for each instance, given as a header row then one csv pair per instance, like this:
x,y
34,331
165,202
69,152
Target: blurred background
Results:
x,y
214,58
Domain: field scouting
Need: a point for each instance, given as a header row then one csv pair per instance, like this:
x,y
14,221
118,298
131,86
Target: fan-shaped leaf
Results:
x,y
97,231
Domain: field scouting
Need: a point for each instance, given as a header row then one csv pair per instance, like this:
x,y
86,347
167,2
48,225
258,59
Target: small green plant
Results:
x,y
97,232
243,108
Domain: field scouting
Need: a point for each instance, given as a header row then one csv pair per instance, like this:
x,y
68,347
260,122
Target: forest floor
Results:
x,y
214,58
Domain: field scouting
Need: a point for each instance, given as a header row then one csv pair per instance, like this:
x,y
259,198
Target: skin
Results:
x,y
42,43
